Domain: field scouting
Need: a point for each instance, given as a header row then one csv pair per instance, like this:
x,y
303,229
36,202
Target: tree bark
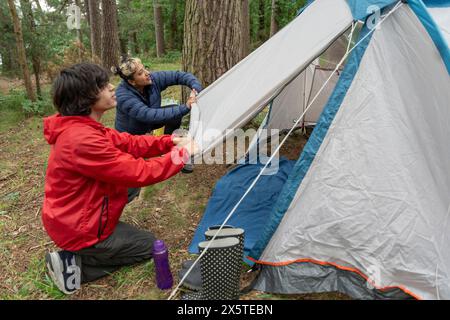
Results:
x,y
159,29
35,50
245,29
96,29
124,37
110,38
262,21
21,51
212,38
173,26
274,27
135,43
88,14
6,48
79,36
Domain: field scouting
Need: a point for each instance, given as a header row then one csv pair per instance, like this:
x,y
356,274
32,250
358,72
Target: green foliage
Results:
x,y
53,42
260,15
15,107
38,107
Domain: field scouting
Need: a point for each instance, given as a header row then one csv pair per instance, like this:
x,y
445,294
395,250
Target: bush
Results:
x,y
38,107
15,107
13,100
69,57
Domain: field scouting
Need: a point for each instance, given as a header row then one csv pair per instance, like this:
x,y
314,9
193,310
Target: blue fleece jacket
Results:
x,y
139,114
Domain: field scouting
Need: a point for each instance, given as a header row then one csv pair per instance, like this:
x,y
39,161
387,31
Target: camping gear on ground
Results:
x,y
194,280
220,270
364,210
253,213
164,279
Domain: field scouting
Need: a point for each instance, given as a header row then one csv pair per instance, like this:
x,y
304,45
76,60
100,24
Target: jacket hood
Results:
x,y
57,124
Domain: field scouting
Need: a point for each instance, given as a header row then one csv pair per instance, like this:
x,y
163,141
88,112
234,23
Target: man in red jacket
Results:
x,y
90,168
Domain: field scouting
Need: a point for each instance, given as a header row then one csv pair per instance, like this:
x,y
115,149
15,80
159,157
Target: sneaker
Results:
x,y
64,270
188,168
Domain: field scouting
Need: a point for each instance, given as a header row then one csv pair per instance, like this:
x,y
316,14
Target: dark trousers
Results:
x,y
169,128
126,246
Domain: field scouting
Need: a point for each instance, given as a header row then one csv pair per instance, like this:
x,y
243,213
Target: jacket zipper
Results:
x,y
104,206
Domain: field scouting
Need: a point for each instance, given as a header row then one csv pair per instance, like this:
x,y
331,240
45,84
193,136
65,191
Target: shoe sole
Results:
x,y
55,267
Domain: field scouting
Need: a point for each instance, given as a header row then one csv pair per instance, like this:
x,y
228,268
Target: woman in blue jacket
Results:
x,y
139,108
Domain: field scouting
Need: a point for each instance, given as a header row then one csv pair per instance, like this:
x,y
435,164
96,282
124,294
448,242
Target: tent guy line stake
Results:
x,y
398,5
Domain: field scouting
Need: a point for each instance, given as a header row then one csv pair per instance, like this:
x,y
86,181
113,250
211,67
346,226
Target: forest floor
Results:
x,y
171,210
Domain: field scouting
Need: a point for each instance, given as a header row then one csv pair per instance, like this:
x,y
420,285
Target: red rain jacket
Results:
x,y
89,170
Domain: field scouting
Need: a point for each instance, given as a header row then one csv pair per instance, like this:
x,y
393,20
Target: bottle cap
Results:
x,y
159,245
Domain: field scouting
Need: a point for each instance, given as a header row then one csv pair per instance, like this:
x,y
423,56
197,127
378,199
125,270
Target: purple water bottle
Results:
x,y
164,279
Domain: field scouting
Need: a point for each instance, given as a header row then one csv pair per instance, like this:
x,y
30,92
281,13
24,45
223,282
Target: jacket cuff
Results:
x,y
197,87
184,109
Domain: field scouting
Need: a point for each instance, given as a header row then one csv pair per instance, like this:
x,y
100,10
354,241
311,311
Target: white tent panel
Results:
x,y
442,17
320,76
289,105
298,95
376,197
238,95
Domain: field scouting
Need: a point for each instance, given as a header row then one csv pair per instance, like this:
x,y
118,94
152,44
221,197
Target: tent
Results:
x,y
365,210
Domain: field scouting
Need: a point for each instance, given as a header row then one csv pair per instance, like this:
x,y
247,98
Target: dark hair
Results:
x,y
76,88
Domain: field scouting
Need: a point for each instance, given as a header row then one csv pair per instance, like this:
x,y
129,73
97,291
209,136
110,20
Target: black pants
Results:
x,y
126,246
169,128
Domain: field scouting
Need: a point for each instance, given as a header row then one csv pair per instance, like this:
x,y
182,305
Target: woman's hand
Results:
x,y
192,99
189,144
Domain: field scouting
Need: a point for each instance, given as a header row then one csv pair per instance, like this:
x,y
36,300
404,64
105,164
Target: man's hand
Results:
x,y
188,143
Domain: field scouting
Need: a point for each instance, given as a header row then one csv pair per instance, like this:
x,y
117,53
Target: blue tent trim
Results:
x,y
419,8
310,150
360,8
437,3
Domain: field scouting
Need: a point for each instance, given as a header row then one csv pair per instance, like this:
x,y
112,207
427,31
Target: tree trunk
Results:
x,y
6,47
262,21
212,38
159,29
173,26
35,50
88,14
135,43
110,39
123,47
274,27
245,29
124,37
21,51
79,36
96,29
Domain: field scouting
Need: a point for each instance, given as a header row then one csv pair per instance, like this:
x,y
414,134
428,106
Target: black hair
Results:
x,y
76,88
